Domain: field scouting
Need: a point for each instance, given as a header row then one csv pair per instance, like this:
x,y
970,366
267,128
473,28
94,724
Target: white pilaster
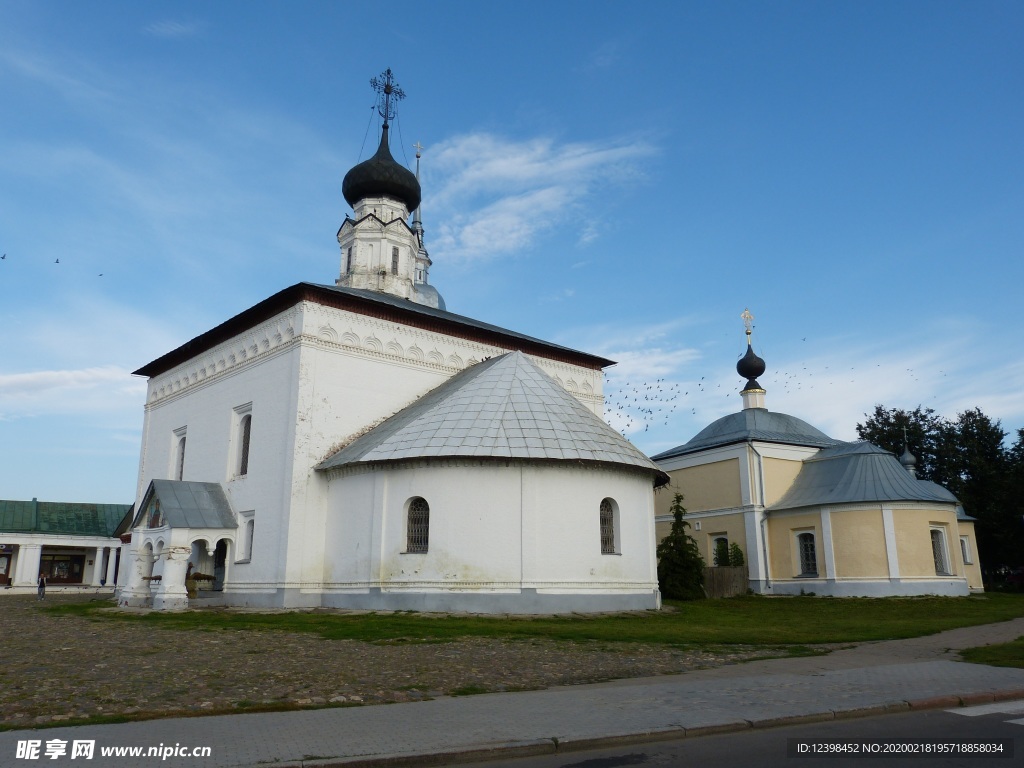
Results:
x,y
826,543
891,553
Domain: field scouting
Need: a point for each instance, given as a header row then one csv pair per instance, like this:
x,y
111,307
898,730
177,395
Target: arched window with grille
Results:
x,y
808,554
417,528
609,527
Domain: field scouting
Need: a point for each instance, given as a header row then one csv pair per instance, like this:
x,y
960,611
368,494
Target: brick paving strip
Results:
x,y
55,668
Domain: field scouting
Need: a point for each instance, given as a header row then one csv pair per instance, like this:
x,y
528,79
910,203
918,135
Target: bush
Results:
x,y
736,555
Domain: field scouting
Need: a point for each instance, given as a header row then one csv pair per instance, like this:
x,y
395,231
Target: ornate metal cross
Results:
x,y
388,89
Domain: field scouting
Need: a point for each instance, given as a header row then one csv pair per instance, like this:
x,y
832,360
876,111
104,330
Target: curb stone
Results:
x,y
551,746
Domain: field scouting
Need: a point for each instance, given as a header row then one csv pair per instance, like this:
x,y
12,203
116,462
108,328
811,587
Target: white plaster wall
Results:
x,y
315,376
561,520
208,413
493,527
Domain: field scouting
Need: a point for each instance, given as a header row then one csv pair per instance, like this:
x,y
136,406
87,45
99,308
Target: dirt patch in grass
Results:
x,y
59,668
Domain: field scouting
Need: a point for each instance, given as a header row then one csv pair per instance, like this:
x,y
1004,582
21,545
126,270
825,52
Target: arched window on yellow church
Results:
x,y
808,554
418,526
940,552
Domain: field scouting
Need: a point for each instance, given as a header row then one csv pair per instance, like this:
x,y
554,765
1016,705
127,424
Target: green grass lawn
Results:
x,y
747,620
1002,655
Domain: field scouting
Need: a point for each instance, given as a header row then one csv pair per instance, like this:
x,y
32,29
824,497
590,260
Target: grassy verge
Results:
x,y
744,620
1002,655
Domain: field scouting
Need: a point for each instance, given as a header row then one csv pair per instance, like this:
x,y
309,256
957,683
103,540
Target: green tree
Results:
x,y
982,465
927,436
680,566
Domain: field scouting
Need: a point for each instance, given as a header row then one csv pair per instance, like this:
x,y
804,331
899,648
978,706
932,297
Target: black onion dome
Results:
x,y
381,176
750,367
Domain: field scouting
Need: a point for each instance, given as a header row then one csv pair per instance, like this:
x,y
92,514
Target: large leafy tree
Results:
x,y
680,566
927,436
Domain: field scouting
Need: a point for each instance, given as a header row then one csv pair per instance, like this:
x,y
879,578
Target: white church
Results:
x,y
356,445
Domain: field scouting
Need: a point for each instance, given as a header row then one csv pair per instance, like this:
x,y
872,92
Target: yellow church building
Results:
x,y
812,514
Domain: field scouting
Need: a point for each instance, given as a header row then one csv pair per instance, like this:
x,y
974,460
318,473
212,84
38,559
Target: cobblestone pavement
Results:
x,y
63,667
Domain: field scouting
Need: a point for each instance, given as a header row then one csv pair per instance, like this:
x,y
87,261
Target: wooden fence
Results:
x,y
726,581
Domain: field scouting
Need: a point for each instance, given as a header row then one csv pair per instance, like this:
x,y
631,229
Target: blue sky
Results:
x,y
618,177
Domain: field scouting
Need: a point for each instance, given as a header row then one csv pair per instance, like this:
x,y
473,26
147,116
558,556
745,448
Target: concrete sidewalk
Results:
x,y
868,679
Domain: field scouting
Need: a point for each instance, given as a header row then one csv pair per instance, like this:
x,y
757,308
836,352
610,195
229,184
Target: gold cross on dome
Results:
x,y
748,320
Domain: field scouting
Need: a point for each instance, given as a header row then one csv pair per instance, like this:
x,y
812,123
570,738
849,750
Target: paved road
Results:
x,y
995,727
870,679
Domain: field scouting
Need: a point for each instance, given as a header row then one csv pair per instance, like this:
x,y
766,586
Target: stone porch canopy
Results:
x,y
173,515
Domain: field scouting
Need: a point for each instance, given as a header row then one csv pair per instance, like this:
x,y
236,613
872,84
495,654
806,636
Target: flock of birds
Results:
x,y
637,406
652,403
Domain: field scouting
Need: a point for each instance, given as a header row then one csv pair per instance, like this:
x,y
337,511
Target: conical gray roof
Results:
x,y
853,472
504,407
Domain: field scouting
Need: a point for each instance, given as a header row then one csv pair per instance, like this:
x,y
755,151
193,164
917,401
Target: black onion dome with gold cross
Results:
x,y
382,175
750,366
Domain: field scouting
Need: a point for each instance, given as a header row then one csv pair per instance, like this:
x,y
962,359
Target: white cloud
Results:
x,y
494,195
84,390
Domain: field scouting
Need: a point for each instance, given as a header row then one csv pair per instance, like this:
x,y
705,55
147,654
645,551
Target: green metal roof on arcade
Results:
x,y
58,517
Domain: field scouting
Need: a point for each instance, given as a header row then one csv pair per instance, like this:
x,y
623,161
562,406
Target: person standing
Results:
x,y
41,587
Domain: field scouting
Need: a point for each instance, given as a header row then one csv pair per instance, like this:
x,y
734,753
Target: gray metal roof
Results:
x,y
855,472
752,424
59,517
188,504
376,305
504,407
443,314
